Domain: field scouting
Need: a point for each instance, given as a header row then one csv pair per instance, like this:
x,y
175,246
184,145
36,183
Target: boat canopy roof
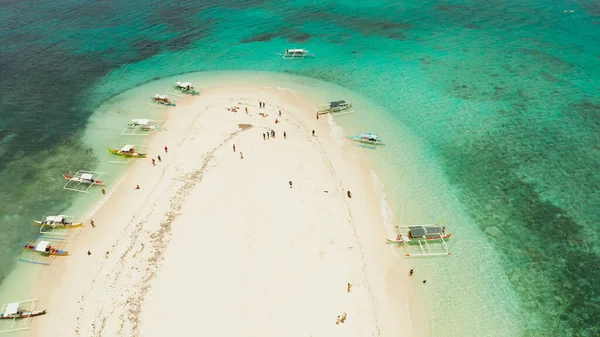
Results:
x,y
87,176
294,50
12,308
41,246
141,121
127,147
56,218
371,136
183,84
422,231
335,104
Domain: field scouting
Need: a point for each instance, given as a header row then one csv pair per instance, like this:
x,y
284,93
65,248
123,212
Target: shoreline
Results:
x,y
330,152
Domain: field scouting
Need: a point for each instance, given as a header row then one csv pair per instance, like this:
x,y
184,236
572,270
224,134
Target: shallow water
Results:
x,y
490,111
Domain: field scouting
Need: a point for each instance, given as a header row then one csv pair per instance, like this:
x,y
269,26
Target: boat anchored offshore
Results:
x,y
142,127
366,138
337,107
19,314
424,237
295,53
161,100
128,150
186,88
82,181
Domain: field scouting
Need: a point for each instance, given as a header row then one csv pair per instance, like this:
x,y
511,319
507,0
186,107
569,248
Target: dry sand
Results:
x,y
216,245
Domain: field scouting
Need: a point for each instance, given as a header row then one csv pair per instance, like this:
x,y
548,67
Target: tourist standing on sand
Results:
x,y
279,113
166,149
313,133
284,135
290,184
153,162
233,147
241,155
264,136
159,159
411,272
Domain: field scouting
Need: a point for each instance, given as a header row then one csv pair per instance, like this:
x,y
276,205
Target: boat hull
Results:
x,y
187,92
163,103
416,241
57,252
97,182
68,225
24,314
364,141
128,155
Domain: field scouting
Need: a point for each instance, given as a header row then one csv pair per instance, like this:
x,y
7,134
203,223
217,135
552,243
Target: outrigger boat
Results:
x,y
337,107
186,88
59,221
141,127
20,314
295,53
128,151
162,100
82,181
43,250
422,236
366,138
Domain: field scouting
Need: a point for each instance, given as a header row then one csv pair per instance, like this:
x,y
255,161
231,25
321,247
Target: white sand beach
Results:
x,y
212,244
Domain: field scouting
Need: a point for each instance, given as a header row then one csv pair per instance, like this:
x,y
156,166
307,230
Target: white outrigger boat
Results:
x,y
185,88
423,236
82,181
367,139
19,315
161,101
57,224
337,107
142,127
296,53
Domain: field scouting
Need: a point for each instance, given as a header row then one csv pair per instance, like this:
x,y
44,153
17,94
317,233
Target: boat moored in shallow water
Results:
x,y
20,314
58,221
128,150
296,53
161,100
186,88
423,236
337,107
82,181
367,139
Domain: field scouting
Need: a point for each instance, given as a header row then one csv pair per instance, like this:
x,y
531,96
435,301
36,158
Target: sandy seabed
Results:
x,y
213,244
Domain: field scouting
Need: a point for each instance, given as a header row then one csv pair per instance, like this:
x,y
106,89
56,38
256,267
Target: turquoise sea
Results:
x,y
491,109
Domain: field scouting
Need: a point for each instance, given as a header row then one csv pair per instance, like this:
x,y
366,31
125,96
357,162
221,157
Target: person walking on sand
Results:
x,y
264,136
159,159
233,147
92,223
268,135
241,155
153,162
166,149
290,184
411,272
313,133
89,253
137,187
284,135
349,286
317,115
246,108
279,113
